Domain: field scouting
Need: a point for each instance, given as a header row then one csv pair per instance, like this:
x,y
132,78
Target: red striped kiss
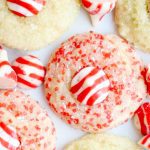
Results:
x,y
145,142
8,77
97,9
90,86
30,71
8,138
147,78
25,8
142,118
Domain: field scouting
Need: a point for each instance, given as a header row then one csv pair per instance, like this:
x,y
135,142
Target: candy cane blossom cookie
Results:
x,y
92,80
24,125
133,21
103,142
33,24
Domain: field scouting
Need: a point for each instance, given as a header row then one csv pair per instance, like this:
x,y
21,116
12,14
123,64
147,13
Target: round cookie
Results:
x,y
34,128
118,61
31,33
135,23
103,142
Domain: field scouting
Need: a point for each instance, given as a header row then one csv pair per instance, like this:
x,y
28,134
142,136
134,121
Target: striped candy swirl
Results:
x,y
8,138
25,8
147,78
142,118
145,142
8,77
90,86
30,71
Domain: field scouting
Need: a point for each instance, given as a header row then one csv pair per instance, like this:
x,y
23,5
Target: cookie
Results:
x,y
110,83
142,118
135,23
30,123
35,32
103,142
30,71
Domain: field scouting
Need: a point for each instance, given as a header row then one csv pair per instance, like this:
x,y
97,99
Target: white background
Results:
x,y
66,133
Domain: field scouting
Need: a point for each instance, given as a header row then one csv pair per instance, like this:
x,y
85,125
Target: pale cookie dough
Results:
x,y
32,124
103,142
133,20
119,63
32,33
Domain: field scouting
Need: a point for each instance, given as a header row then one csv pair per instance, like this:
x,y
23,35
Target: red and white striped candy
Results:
x,y
97,9
147,78
145,142
8,77
30,71
25,8
142,118
90,86
8,138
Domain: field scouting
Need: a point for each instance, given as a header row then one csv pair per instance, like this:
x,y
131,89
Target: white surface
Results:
x,y
66,133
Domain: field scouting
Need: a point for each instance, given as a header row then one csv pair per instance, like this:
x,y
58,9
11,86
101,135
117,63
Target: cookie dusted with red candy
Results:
x,y
97,9
8,77
145,142
30,71
25,8
24,125
9,139
92,81
142,118
90,86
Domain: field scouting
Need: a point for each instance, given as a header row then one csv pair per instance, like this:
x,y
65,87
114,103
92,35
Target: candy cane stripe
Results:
x,y
17,13
87,91
35,76
25,7
23,11
90,86
145,139
86,3
21,60
76,87
21,80
18,70
8,130
142,118
97,10
98,96
145,142
4,63
8,138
